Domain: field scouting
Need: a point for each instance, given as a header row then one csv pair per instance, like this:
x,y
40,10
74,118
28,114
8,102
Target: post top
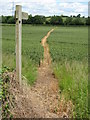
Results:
x,y
19,13
18,6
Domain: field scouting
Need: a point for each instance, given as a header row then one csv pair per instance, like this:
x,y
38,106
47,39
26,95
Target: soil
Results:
x,y
42,100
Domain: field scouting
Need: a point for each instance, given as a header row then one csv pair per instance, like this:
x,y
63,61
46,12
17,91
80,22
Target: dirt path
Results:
x,y
47,58
42,100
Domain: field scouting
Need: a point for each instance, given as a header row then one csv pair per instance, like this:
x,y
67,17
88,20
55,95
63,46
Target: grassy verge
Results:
x,y
29,70
73,83
29,67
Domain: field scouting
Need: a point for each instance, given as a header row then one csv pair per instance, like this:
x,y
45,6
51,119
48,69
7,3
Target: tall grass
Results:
x,y
73,83
29,68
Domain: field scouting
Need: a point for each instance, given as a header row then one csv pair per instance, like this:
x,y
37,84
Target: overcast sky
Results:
x,y
46,7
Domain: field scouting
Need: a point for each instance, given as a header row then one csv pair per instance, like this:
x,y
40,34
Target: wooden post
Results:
x,y
18,41
19,16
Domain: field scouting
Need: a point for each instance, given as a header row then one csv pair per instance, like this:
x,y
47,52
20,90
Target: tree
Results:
x,y
29,21
79,15
77,21
48,19
88,21
56,20
11,20
38,19
4,19
68,21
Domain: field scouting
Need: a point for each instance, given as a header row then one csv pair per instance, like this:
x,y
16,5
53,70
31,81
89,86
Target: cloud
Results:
x,y
74,0
74,8
46,7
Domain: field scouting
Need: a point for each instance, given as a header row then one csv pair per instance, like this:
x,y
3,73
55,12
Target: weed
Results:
x,y
73,82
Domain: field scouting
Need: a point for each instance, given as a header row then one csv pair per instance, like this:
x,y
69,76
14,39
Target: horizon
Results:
x,y
48,16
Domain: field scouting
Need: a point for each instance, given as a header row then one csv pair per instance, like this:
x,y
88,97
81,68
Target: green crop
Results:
x,y
69,43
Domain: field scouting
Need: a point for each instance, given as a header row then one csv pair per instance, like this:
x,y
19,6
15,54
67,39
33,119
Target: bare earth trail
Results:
x,y
42,100
47,58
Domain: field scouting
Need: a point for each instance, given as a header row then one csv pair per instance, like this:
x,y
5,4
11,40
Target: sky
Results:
x,y
46,7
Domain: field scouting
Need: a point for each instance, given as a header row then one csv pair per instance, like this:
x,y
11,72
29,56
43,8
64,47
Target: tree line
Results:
x,y
51,20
